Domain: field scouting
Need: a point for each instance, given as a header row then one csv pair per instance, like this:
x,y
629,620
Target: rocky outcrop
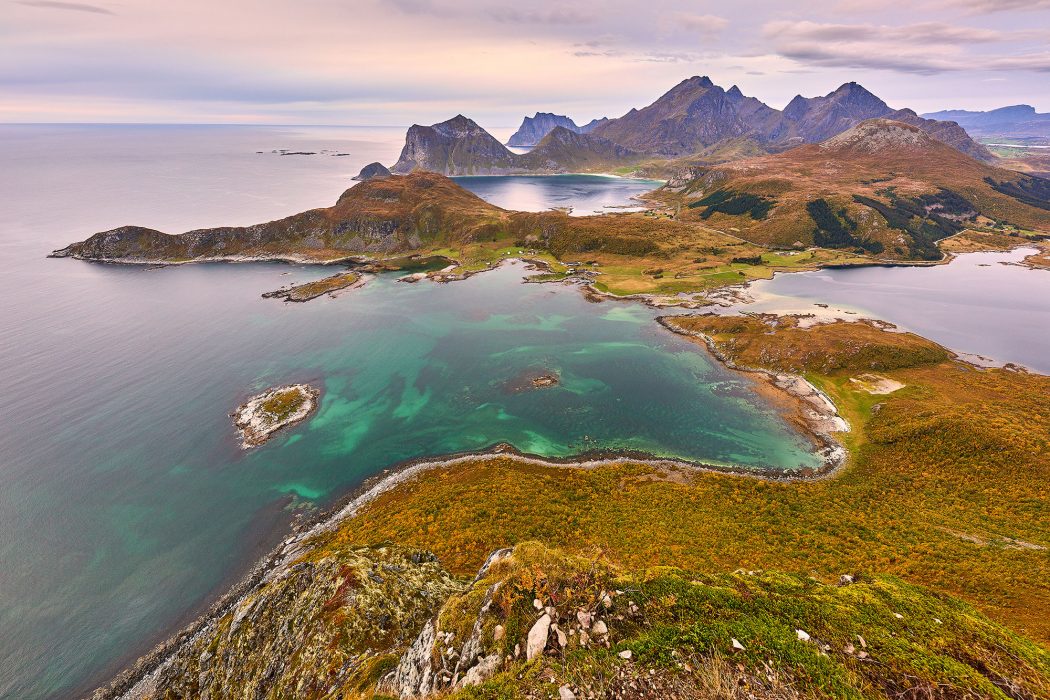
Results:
x,y
335,620
372,170
947,132
314,625
454,147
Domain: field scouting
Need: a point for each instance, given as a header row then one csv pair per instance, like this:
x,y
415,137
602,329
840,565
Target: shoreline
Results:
x,y
133,681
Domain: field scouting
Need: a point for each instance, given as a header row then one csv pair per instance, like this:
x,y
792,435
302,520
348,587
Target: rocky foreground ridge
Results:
x,y
391,622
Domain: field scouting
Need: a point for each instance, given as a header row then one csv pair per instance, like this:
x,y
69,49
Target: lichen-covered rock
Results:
x,y
317,629
495,623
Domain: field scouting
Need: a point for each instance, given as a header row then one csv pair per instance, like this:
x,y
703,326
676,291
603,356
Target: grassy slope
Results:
x,y
947,486
679,626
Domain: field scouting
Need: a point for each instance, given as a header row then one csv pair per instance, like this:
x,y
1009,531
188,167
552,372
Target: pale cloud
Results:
x,y
703,24
991,6
924,48
404,61
74,6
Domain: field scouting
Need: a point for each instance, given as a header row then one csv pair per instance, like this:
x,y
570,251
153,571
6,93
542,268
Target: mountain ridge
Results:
x,y
697,114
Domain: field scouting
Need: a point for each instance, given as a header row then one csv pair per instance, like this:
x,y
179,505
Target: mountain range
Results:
x,y
695,119
1014,121
697,114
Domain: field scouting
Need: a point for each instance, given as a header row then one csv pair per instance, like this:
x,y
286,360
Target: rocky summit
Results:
x,y
454,147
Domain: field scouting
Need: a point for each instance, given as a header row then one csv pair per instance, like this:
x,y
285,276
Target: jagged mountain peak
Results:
x,y
735,93
857,94
458,126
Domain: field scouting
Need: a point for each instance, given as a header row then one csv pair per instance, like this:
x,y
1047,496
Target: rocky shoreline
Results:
x,y
811,409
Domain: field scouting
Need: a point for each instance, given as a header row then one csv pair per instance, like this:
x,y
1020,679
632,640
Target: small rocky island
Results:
x,y
531,379
372,170
317,288
264,414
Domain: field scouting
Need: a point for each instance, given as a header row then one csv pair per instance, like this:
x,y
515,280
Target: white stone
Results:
x,y
565,693
625,654
537,639
737,645
803,636
599,628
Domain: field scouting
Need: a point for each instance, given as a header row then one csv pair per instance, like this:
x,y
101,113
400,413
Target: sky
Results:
x,y
398,62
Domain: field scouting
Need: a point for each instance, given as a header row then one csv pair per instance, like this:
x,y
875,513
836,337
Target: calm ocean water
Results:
x,y
125,502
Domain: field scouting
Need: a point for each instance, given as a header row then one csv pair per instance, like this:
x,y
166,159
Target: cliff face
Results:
x,y
454,147
386,621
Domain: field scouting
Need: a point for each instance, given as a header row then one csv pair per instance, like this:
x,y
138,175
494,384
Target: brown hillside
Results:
x,y
884,186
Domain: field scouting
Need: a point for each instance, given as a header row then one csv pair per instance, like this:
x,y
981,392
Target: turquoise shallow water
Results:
x,y
125,501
